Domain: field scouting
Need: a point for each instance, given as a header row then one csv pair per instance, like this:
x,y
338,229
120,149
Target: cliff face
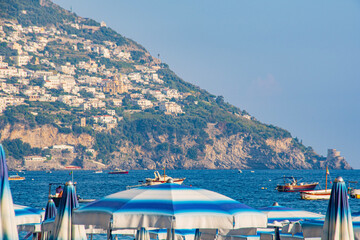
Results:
x,y
44,136
236,151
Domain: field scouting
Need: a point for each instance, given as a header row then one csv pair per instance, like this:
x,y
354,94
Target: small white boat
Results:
x,y
239,171
353,192
323,194
16,178
159,179
99,171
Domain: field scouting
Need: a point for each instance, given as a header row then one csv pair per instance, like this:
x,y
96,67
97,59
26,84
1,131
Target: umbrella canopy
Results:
x,y
278,214
63,227
50,210
27,215
168,206
8,229
338,223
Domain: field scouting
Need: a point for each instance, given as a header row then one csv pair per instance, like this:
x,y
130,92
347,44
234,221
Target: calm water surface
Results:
x,y
256,189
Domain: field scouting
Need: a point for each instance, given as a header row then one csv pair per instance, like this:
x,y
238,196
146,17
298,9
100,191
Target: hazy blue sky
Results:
x,y
294,64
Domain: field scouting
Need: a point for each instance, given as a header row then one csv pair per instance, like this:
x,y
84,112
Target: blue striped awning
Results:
x,y
278,213
27,215
169,206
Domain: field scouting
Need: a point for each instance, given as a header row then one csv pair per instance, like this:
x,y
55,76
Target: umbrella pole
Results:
x,y
170,234
277,233
197,234
109,235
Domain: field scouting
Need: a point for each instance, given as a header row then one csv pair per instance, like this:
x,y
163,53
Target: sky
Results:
x,y
293,64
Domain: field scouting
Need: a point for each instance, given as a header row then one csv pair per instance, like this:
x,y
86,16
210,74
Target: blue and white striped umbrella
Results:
x,y
63,227
169,206
27,215
280,214
8,229
338,223
50,210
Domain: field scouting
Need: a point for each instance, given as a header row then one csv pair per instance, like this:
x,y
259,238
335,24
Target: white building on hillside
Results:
x,y
170,107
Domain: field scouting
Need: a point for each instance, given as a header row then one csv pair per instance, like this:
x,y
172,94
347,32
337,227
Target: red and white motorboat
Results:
x,y
291,184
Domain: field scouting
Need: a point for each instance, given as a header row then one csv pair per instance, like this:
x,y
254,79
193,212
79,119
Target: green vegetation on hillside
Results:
x,y
18,149
35,13
6,51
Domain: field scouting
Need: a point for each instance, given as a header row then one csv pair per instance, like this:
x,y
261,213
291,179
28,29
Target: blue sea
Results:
x,y
256,189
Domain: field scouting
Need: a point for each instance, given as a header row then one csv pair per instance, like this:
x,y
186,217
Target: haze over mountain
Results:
x,y
87,96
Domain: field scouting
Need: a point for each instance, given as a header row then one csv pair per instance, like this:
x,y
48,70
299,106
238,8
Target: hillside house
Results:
x,y
34,161
170,107
144,103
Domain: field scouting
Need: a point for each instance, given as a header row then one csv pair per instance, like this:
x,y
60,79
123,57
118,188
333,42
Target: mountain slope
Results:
x,y
157,119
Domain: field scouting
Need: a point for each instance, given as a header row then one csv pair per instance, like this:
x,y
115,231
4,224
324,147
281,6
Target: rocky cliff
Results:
x,y
236,151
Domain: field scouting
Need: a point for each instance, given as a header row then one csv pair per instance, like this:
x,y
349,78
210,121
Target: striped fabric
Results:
x,y
281,214
338,223
50,210
8,229
169,205
63,227
27,215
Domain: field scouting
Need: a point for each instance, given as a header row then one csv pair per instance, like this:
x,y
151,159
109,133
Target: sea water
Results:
x,y
254,188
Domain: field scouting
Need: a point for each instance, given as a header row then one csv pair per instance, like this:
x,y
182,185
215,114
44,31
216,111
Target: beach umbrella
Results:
x,y
278,215
338,223
50,210
48,223
168,206
8,229
63,227
27,215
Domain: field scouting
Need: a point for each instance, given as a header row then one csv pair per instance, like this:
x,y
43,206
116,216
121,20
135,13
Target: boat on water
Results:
x,y
239,171
72,167
119,171
99,171
292,184
16,178
353,192
322,194
158,179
